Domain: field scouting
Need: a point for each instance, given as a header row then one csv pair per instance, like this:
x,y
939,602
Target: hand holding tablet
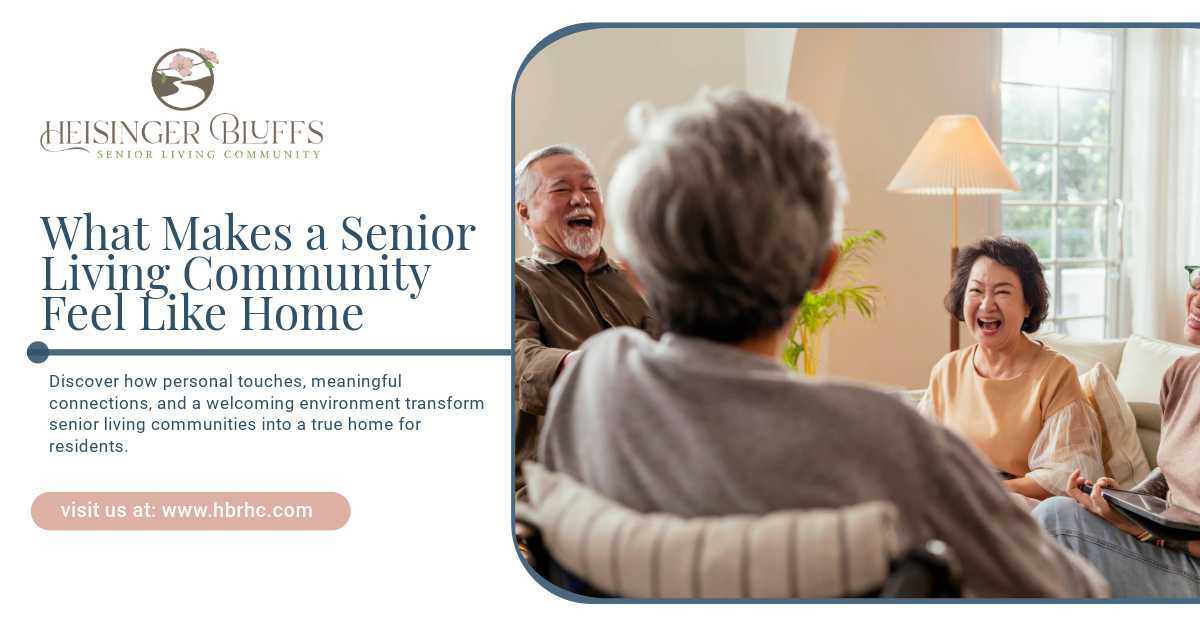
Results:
x,y
1081,491
1158,516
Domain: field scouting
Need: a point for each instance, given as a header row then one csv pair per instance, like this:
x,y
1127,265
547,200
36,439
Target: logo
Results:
x,y
183,78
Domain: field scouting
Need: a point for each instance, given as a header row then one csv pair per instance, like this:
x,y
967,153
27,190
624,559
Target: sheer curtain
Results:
x,y
1161,178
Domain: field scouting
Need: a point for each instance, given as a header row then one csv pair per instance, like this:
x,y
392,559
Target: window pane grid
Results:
x,y
1075,89
1076,192
1072,260
1081,317
1011,203
1054,239
1050,144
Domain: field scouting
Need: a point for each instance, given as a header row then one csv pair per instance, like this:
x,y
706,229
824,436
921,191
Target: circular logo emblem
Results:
x,y
183,78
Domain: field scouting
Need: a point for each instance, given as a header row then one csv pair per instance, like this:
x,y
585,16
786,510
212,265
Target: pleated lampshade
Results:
x,y
954,154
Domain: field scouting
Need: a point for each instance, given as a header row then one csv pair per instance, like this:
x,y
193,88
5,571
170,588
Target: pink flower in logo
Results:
x,y
210,55
182,64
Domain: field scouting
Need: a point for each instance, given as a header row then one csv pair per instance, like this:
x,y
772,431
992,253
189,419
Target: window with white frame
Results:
x,y
1060,98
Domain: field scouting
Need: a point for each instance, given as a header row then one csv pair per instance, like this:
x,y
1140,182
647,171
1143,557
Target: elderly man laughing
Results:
x,y
568,289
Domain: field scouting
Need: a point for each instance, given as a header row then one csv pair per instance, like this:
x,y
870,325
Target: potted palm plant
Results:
x,y
845,290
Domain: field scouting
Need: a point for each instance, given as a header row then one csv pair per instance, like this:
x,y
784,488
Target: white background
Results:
x,y
416,104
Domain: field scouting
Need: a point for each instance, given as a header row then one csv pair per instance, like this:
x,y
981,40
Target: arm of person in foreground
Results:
x,y
1154,482
1003,552
537,365
1069,440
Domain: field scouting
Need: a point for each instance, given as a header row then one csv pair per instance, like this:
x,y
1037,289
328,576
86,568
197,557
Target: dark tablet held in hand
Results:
x,y
1156,515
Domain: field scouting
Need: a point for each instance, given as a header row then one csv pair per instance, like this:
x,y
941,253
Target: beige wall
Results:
x,y
878,90
580,88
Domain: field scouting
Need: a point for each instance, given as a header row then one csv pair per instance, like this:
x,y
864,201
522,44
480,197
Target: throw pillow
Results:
x,y
1124,460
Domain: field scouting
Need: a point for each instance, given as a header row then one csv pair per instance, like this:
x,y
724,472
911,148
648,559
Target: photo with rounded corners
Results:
x,y
732,378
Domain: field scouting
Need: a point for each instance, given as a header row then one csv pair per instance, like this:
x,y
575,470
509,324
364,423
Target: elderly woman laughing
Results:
x,y
1018,401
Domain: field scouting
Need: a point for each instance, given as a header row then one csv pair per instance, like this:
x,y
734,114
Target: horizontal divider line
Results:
x,y
279,352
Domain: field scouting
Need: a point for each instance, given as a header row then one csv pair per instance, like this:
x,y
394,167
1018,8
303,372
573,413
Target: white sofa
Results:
x,y
1138,364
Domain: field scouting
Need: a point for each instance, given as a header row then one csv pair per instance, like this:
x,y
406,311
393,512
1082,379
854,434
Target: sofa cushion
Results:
x,y
822,552
1150,440
1124,460
1084,353
1143,365
910,397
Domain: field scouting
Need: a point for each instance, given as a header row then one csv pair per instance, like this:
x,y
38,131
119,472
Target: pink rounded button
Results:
x,y
190,511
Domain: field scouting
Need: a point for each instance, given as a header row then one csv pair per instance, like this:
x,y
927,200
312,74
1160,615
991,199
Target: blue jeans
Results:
x,y
1133,568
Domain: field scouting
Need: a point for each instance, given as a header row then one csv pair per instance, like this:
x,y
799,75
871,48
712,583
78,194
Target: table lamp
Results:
x,y
955,156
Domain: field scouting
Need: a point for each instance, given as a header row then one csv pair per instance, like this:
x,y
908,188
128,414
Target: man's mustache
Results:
x,y
579,212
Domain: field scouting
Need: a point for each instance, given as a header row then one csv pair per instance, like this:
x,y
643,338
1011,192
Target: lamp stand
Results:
x,y
953,264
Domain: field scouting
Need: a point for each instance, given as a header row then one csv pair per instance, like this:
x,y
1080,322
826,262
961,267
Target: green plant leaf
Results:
x,y
162,78
208,64
842,293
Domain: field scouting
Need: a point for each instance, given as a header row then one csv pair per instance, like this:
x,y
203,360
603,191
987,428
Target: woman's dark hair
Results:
x,y
1014,254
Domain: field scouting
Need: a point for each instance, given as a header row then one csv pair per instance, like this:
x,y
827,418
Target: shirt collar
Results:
x,y
719,352
552,257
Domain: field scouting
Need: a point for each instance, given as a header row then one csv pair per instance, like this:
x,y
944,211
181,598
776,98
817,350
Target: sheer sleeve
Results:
x,y
1070,439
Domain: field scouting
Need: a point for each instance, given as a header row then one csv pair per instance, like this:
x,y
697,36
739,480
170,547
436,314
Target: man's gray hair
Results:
x,y
726,210
526,182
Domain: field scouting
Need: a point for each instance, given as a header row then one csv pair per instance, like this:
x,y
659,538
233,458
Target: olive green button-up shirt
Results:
x,y
558,307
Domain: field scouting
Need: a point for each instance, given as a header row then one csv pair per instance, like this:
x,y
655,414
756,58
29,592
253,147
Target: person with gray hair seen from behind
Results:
x,y
568,289
726,213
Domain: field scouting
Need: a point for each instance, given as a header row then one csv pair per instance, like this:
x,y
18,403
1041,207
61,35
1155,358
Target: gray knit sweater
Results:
x,y
693,427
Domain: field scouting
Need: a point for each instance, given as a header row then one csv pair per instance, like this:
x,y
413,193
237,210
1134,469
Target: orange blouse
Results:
x,y
1038,423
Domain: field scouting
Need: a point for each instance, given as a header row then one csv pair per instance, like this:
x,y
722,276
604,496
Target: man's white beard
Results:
x,y
582,244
